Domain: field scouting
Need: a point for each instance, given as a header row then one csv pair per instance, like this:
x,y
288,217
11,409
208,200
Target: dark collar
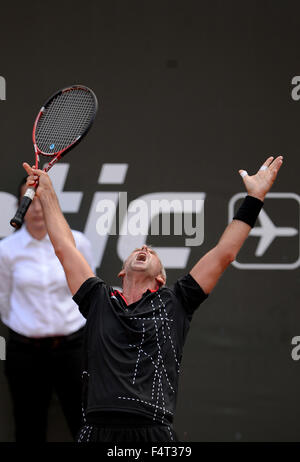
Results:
x,y
121,296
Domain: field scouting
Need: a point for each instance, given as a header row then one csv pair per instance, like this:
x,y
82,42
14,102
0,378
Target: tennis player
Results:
x,y
134,339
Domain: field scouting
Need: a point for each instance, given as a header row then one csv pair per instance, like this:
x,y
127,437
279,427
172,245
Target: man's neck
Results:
x,y
135,287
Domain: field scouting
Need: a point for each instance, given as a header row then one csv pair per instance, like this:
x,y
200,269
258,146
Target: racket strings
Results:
x,y
64,120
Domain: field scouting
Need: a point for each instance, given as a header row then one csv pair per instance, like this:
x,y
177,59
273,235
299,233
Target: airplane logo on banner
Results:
x,y
267,233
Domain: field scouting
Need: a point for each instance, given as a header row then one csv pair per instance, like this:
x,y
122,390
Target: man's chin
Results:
x,y
139,266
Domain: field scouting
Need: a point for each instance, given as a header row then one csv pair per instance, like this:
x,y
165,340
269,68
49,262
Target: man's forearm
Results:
x,y
210,267
58,229
233,238
76,268
238,230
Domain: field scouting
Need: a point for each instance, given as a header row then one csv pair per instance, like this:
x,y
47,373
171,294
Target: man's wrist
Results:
x,y
260,197
249,210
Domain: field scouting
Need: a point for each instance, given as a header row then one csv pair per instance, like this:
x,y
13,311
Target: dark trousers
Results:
x,y
34,369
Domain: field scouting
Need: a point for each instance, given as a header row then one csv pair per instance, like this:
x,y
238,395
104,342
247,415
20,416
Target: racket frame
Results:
x,y
17,221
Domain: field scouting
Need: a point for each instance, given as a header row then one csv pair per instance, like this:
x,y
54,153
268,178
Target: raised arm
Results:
x,y
76,268
212,265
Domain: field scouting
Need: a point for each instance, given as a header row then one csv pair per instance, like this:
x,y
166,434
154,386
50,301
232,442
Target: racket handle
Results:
x,y
26,200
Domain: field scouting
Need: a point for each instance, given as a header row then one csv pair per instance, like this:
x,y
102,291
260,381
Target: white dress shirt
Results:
x,y
34,296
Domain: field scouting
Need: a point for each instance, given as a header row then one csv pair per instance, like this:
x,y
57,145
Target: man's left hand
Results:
x,y
258,185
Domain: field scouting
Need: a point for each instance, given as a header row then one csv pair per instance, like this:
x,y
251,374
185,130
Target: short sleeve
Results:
x,y
86,295
190,294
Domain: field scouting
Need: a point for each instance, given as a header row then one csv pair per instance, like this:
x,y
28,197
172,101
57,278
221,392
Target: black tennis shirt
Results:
x,y
133,352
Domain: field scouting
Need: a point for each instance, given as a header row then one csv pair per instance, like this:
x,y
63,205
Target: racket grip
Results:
x,y
26,200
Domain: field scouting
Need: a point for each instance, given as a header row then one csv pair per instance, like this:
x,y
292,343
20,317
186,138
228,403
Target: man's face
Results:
x,y
143,259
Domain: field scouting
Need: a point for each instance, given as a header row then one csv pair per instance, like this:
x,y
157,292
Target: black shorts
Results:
x,y
123,430
155,433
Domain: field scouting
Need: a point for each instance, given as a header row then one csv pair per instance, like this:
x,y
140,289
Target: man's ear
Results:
x,y
121,273
160,280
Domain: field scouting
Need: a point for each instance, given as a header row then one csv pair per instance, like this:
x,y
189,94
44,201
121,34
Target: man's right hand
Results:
x,y
36,176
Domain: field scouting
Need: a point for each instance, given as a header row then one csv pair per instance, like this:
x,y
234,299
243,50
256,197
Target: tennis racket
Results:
x,y
60,125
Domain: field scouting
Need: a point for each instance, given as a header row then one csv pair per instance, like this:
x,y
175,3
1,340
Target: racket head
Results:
x,y
64,120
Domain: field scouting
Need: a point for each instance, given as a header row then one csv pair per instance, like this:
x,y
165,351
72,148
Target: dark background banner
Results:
x,y
189,93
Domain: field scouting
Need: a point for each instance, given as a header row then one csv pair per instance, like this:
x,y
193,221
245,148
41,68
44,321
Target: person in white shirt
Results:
x,y
45,327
